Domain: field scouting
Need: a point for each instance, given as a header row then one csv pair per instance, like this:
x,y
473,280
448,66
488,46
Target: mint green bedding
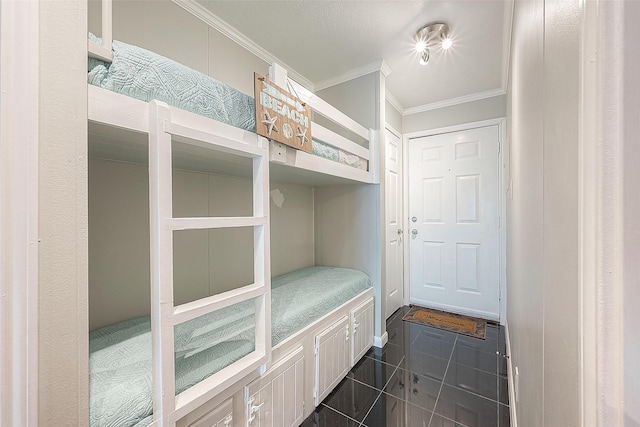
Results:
x,y
120,380
146,76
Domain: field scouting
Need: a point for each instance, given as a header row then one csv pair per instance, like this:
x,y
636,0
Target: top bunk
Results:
x,y
123,79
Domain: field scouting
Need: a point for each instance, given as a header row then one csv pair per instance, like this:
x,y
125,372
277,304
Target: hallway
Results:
x,y
455,380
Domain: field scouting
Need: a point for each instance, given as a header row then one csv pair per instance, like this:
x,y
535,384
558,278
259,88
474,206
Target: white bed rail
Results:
x,y
103,51
167,406
322,133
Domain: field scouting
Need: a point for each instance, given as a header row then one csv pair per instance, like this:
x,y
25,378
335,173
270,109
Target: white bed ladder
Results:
x,y
167,407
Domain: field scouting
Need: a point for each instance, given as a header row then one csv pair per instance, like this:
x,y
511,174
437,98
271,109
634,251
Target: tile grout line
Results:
x,y
335,410
443,378
379,395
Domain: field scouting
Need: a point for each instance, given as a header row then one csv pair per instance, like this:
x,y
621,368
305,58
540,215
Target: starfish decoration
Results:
x,y
270,122
302,135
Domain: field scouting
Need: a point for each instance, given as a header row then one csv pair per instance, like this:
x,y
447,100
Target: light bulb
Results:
x,y
424,58
421,45
447,43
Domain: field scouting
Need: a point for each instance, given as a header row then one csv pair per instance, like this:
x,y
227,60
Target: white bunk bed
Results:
x,y
267,385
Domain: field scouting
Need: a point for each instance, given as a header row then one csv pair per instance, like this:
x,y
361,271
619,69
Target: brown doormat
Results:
x,y
457,323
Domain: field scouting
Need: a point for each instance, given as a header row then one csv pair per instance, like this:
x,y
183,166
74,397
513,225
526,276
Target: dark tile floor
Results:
x,y
423,377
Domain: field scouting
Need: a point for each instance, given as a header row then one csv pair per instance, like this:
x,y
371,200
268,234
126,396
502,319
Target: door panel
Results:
x,y
453,206
393,203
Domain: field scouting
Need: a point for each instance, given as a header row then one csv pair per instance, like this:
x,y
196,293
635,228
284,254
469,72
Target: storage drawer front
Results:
x,y
331,358
362,327
222,416
276,398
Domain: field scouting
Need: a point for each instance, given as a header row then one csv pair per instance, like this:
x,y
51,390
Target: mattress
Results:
x,y
120,375
146,76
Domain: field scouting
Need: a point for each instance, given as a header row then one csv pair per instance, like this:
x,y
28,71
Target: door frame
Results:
x,y
502,229
403,188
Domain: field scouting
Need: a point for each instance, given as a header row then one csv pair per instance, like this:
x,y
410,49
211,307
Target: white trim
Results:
x,y
454,101
512,390
393,130
406,224
385,68
103,51
501,123
363,70
381,341
455,128
212,20
506,41
388,96
19,125
609,239
587,216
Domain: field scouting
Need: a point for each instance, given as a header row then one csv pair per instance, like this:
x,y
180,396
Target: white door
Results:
x,y
393,207
453,215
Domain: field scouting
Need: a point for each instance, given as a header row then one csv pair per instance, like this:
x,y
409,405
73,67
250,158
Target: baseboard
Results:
x,y
510,373
381,341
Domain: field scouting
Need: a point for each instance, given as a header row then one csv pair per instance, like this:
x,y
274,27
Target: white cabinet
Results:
x,y
221,416
362,328
276,398
332,357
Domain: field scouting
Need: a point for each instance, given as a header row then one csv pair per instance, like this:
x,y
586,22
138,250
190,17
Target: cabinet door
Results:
x,y
276,398
362,327
331,358
222,416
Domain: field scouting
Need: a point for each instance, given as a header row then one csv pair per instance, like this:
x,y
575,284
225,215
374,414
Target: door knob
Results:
x,y
414,232
414,219
399,230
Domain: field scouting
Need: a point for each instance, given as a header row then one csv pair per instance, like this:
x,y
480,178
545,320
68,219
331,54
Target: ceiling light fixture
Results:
x,y
429,36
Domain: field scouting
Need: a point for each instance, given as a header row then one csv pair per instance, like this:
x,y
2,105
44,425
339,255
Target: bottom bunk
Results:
x,y
304,303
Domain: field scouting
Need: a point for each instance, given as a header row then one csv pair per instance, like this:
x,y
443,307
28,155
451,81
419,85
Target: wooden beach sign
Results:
x,y
280,116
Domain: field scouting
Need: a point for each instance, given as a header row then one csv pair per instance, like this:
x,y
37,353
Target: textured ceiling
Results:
x,y
327,41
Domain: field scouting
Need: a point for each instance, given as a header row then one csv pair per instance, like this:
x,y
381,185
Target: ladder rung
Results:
x,y
214,222
194,309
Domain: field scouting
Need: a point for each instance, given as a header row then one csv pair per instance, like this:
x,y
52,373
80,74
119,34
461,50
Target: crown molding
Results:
x,y
384,68
213,21
354,74
454,101
394,102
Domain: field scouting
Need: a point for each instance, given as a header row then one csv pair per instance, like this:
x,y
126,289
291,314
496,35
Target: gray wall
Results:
x,y
393,117
543,246
347,228
468,112
207,262
356,98
164,29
